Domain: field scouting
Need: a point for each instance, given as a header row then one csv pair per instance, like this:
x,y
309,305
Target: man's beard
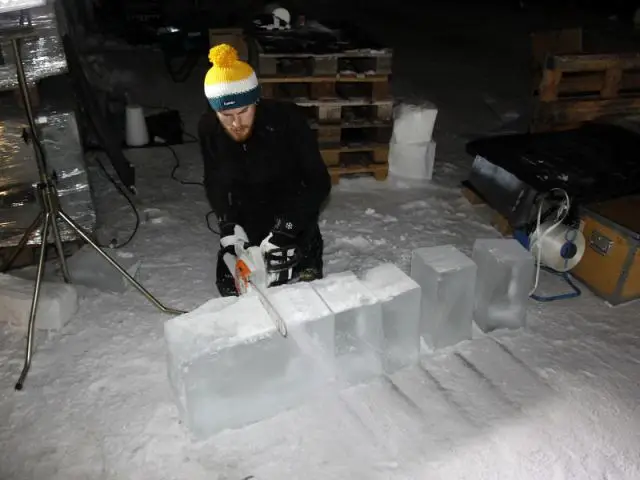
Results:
x,y
239,134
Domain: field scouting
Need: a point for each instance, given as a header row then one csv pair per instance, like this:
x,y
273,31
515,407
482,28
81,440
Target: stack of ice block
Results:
x,y
358,327
505,275
447,278
229,366
412,149
400,297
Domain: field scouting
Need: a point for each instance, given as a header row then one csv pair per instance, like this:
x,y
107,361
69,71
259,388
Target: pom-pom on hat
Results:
x,y
230,82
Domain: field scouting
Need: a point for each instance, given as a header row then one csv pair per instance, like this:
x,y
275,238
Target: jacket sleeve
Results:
x,y
218,190
305,207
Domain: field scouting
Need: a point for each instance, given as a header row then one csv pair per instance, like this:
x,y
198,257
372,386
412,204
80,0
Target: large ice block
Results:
x,y
57,303
310,322
229,366
505,277
447,278
400,297
358,326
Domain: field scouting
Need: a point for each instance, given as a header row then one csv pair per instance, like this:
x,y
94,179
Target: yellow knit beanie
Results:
x,y
230,82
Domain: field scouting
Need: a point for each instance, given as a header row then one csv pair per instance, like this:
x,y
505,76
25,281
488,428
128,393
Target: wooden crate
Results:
x,y
379,171
355,154
358,112
610,266
301,89
576,89
349,64
352,135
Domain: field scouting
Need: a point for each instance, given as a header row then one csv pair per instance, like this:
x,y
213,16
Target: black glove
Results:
x,y
280,251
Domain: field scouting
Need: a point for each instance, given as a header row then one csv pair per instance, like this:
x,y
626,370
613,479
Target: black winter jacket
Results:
x,y
277,173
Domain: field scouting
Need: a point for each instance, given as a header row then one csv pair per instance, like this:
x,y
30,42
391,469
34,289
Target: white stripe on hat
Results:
x,y
217,90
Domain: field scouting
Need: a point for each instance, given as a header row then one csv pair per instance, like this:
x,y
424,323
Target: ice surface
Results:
x,y
414,123
505,276
447,278
229,366
400,297
57,303
310,323
413,161
358,326
87,267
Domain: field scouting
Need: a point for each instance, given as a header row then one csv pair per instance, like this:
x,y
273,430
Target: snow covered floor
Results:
x,y
557,401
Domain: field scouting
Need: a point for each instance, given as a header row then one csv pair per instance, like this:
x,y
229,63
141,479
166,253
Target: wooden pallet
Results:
x,y
356,63
353,134
552,42
576,89
347,112
380,171
296,89
355,154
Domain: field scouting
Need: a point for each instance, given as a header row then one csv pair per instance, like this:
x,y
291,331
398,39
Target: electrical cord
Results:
x,y
113,244
183,182
177,166
209,224
561,214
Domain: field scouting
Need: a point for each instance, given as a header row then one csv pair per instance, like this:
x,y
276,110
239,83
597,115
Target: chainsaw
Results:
x,y
250,274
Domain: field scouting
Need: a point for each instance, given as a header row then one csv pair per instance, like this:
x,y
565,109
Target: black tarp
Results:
x,y
596,162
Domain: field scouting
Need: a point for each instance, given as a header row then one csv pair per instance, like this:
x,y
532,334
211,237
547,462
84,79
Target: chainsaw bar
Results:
x,y
273,313
277,319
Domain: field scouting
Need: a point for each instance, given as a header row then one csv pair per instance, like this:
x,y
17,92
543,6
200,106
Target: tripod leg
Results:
x,y
23,242
34,303
55,230
122,271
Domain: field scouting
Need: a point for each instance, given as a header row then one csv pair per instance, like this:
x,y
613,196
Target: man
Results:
x,y
263,174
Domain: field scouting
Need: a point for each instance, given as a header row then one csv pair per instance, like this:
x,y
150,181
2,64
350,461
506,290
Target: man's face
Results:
x,y
238,122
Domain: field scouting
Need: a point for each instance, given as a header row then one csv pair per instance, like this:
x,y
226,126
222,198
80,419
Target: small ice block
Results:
x,y
358,326
229,366
414,161
447,278
505,277
414,123
400,297
57,303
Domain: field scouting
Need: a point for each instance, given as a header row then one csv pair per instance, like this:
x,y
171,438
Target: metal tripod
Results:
x,y
49,214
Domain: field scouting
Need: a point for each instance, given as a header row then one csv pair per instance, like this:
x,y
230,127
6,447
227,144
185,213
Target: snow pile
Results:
x,y
557,400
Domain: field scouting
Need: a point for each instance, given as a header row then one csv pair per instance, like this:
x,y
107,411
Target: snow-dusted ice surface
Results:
x,y
505,276
359,336
400,297
557,401
447,278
